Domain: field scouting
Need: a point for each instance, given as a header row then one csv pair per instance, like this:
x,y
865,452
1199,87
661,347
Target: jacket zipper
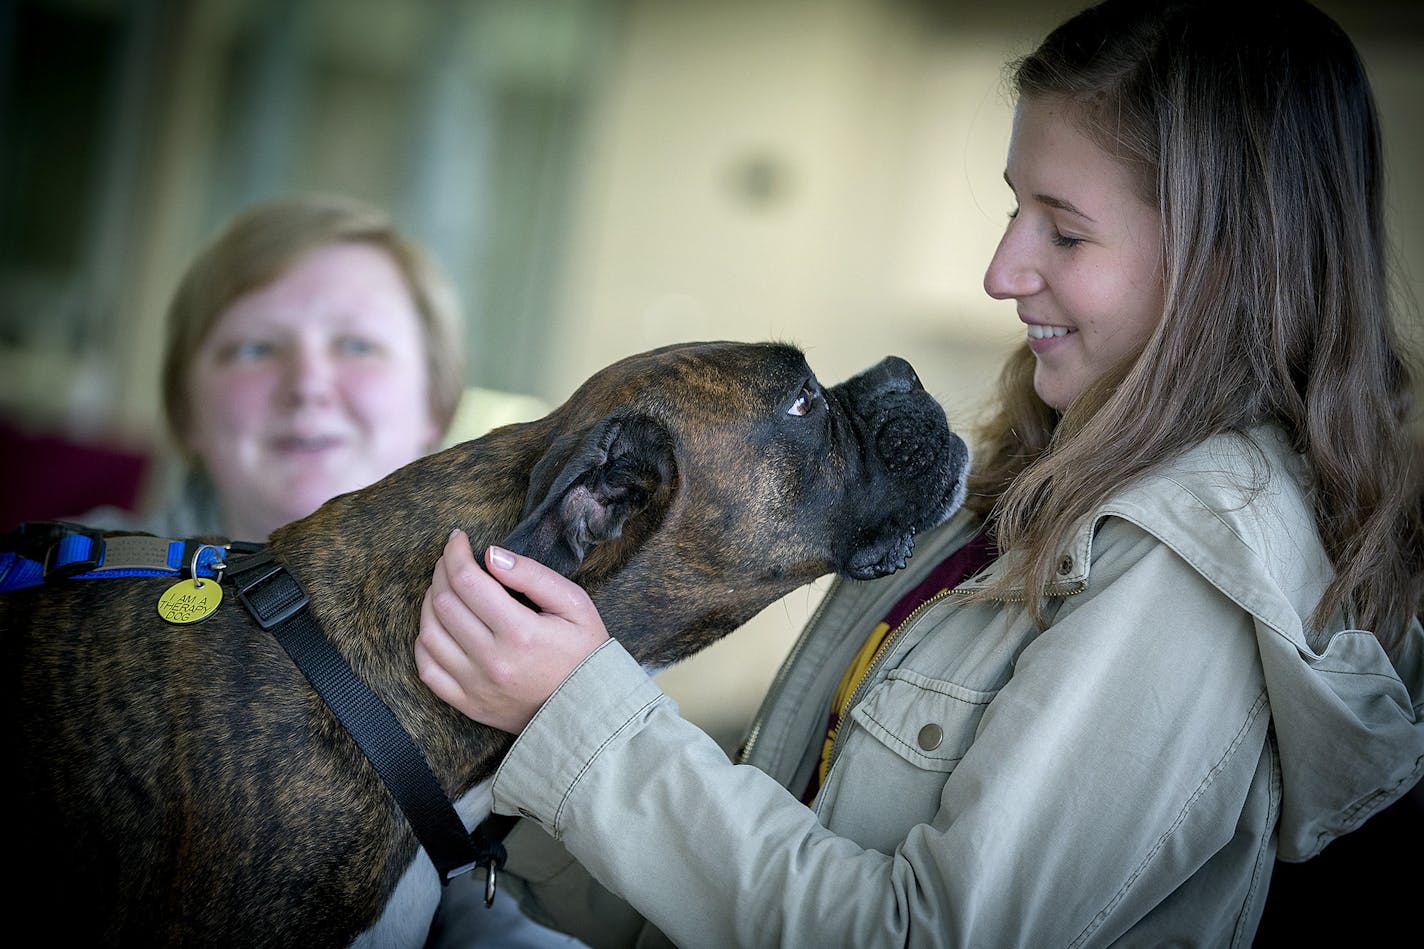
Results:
x,y
1074,590
745,754
876,660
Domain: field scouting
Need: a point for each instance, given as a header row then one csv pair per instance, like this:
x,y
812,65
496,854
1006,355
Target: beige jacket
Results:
x,y
1126,777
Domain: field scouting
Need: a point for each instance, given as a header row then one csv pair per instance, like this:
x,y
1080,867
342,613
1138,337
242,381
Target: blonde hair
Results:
x,y
267,240
1255,132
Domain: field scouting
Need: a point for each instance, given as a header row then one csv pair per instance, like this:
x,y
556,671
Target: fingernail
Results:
x,y
501,558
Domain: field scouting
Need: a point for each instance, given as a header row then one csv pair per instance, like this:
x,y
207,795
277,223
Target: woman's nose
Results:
x,y
309,374
1012,271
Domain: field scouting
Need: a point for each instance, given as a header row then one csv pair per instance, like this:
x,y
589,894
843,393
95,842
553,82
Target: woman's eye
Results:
x,y
355,346
247,350
803,402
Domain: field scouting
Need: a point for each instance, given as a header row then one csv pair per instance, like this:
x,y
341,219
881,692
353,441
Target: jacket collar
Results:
x,y
1070,572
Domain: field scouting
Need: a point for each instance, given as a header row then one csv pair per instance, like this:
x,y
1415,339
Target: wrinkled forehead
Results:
x,y
709,382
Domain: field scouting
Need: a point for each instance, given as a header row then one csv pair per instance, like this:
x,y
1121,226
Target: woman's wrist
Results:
x,y
606,693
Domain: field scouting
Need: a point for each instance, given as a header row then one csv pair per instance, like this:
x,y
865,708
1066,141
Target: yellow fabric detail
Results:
x,y
853,674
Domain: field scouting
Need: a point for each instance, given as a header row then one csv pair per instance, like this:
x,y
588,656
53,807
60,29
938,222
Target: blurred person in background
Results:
x,y
311,350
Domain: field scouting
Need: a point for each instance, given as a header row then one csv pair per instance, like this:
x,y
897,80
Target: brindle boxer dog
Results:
x,y
183,785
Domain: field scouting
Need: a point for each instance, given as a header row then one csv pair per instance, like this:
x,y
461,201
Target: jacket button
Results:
x,y
930,737
1065,565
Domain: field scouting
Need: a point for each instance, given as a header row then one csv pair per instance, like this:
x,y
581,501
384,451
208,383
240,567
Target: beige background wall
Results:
x,y
882,130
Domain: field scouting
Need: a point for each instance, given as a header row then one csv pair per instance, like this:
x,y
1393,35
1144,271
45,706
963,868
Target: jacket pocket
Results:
x,y
900,745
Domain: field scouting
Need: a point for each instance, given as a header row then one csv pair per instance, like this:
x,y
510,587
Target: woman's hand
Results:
x,y
489,655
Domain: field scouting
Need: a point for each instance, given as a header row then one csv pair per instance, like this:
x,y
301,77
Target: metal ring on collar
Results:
x,y
218,565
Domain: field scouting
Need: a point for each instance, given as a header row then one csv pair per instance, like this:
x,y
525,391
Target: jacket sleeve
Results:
x,y
1105,771
556,891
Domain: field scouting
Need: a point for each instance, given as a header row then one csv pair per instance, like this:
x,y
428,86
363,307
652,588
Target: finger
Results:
x,y
457,555
547,589
440,574
475,597
435,624
437,678
438,633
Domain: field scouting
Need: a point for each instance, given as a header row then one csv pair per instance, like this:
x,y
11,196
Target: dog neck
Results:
x,y
365,560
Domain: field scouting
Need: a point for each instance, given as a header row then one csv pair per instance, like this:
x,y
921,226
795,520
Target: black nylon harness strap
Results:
x,y
277,602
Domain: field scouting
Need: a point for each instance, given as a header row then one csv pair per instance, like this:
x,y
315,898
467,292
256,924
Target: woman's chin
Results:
x,y
303,498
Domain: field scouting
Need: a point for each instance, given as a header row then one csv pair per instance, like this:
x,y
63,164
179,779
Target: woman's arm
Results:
x,y
1108,770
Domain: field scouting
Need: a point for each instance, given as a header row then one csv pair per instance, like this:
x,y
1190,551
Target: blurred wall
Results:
x,y
601,176
132,130
830,172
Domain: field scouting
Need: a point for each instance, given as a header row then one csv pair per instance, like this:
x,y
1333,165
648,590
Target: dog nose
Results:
x,y
891,374
908,445
898,370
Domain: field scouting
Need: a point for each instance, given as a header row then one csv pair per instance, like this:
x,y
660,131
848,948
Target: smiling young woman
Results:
x,y
1172,637
1082,255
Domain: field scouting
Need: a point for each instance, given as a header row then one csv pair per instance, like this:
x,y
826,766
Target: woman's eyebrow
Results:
x,y
1062,205
1053,202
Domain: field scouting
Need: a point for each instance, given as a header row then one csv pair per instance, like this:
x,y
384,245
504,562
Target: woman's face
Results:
x,y
309,387
1081,256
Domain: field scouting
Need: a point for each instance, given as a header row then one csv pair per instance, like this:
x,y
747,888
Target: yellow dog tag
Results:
x,y
189,601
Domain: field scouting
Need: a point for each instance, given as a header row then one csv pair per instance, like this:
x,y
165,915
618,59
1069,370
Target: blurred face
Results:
x,y
1082,254
309,387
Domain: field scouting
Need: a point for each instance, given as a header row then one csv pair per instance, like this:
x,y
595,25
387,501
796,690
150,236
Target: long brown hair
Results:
x,y
1255,131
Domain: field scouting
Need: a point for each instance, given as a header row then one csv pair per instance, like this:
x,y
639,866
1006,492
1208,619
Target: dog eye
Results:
x,y
803,402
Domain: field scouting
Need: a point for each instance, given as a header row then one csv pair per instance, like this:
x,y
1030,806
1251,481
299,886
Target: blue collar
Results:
x,y
41,551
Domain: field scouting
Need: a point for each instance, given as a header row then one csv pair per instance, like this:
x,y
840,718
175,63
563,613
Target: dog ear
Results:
x,y
587,488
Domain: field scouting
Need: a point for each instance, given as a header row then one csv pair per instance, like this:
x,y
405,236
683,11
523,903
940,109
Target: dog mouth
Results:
x,y
882,559
914,464
890,549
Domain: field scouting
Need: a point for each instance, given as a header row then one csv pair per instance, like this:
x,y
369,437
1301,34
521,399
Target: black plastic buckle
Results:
x,y
273,596
96,556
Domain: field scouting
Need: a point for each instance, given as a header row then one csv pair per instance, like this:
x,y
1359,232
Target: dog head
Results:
x,y
689,487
